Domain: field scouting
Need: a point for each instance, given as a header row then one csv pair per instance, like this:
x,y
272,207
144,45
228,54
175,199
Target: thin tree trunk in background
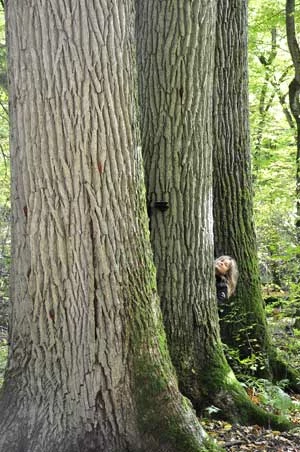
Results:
x,y
243,324
265,101
176,44
88,367
294,94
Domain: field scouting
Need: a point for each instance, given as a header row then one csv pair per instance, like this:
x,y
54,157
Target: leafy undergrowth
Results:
x,y
238,438
3,358
284,324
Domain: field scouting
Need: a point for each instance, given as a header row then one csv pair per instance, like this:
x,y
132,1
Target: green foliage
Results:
x,y
3,359
282,319
3,63
273,398
273,143
212,410
4,182
244,366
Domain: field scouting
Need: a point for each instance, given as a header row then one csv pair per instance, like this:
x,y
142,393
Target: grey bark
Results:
x,y
175,55
294,94
233,197
88,366
176,43
243,323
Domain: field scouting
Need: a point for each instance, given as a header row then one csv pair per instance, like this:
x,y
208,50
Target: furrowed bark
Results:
x,y
88,366
175,67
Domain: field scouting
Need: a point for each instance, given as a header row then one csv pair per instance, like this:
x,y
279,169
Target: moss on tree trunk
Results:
x,y
88,368
243,320
176,83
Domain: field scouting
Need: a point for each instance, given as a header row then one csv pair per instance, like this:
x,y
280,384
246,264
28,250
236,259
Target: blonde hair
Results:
x,y
232,273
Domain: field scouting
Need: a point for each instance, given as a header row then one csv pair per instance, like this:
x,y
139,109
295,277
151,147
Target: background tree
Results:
x,y
294,94
5,192
273,149
88,365
233,206
275,200
175,48
274,173
243,321
270,88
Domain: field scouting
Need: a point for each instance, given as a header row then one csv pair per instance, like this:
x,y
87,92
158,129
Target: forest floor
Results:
x,y
238,438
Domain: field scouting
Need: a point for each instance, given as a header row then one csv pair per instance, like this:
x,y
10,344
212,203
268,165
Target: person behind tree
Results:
x,y
226,277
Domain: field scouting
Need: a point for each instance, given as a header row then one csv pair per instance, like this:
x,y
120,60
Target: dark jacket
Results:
x,y
222,289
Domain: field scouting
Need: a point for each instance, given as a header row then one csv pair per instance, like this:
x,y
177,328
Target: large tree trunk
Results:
x,y
88,365
176,142
175,62
243,323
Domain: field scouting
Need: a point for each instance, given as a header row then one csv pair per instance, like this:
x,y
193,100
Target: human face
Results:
x,y
223,266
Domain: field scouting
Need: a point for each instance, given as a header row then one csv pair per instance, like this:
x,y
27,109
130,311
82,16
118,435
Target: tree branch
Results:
x,y
291,37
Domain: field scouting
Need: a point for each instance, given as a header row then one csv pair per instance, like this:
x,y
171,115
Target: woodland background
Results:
x,y
274,168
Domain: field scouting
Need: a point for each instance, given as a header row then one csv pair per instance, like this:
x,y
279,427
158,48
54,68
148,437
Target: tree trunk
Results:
x,y
176,142
243,324
175,67
294,94
265,99
88,365
233,205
